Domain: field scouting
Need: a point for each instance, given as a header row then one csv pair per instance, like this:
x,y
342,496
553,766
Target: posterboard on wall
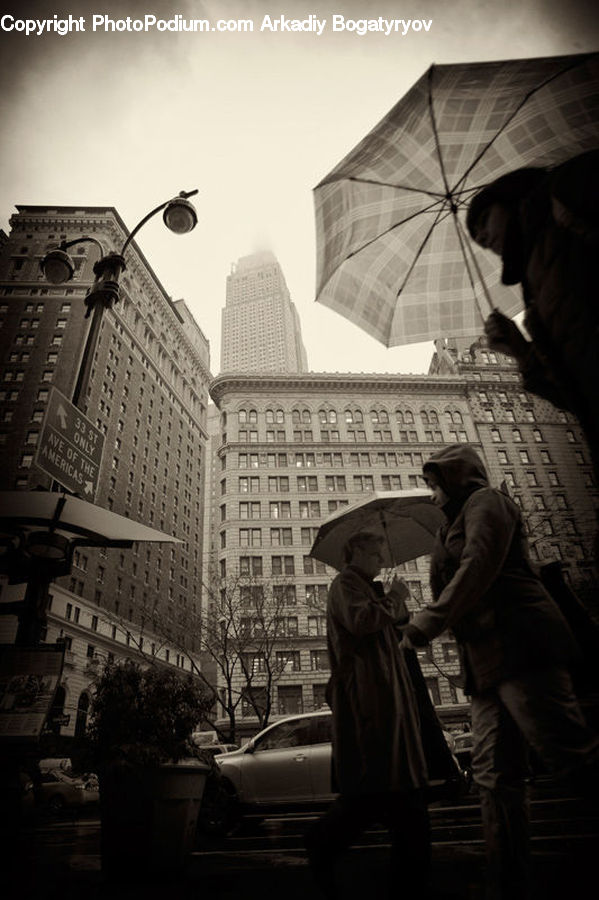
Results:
x,y
29,677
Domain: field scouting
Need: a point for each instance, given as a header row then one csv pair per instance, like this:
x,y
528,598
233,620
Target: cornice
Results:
x,y
235,382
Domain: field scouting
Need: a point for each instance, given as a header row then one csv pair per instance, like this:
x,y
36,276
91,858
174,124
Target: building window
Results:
x,y
313,566
250,565
317,626
288,661
319,660
281,537
306,483
249,510
289,700
283,565
279,509
316,594
309,509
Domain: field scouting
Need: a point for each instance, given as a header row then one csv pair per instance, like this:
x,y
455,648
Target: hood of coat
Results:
x,y
524,194
459,470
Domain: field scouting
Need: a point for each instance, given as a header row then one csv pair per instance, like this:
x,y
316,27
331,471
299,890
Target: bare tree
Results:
x,y
245,633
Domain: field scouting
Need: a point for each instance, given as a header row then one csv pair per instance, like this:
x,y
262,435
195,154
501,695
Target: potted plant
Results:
x,y
151,781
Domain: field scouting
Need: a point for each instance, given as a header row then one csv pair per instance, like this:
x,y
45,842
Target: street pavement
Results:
x,y
60,859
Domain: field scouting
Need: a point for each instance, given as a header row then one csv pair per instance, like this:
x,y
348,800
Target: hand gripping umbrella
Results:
x,y
407,520
393,255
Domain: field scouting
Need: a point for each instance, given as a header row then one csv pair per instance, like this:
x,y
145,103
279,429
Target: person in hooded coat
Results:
x,y
544,223
379,764
516,648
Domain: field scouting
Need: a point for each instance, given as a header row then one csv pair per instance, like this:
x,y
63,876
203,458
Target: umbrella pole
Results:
x,y
386,533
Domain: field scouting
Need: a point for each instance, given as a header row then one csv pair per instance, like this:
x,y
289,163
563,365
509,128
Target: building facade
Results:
x,y
291,450
261,330
148,394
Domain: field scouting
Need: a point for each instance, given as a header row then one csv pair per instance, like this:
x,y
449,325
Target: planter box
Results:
x,y
149,817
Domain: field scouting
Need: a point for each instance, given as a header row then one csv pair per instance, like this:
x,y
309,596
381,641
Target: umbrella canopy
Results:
x,y
393,254
408,521
69,515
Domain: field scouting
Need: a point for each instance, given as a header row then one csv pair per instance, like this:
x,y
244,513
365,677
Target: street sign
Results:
x,y
70,447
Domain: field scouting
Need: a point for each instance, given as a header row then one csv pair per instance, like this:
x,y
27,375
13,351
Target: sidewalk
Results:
x,y
458,870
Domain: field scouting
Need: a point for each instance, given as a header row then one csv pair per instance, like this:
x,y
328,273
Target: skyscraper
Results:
x,y
260,326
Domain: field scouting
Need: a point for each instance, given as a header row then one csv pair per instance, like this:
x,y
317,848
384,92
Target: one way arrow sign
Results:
x,y
70,447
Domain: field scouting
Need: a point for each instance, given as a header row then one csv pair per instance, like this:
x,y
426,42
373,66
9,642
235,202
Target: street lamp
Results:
x,y
179,216
37,556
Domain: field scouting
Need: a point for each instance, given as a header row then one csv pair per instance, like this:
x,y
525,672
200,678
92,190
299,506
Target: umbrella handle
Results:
x,y
386,533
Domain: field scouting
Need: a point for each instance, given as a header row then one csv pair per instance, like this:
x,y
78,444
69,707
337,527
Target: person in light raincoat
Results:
x,y
516,649
379,763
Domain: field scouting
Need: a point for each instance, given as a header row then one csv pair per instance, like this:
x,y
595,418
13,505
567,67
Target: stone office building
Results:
x,y
291,449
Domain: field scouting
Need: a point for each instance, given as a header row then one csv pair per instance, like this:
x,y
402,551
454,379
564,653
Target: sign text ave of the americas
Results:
x,y
70,447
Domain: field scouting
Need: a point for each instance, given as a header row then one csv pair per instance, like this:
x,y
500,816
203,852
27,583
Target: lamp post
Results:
x,y
44,555
58,267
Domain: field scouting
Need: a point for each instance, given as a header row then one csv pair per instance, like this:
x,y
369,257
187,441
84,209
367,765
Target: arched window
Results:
x,y
280,417
399,417
243,416
433,417
374,416
383,417
358,417
424,417
270,417
457,418
409,416
306,417
252,417
349,417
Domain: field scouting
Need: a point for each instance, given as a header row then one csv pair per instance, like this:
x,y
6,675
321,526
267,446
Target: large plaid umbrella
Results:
x,y
393,255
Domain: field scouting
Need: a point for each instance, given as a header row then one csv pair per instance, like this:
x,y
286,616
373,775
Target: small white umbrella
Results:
x,y
407,520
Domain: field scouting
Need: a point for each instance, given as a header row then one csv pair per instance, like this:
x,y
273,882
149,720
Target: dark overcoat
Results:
x,y
484,587
552,248
376,729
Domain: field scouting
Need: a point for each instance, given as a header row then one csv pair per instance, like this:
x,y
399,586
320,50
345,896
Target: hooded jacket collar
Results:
x,y
460,471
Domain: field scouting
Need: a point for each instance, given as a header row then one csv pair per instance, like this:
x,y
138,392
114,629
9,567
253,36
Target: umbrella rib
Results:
x,y
463,246
430,208
468,244
418,253
398,187
525,99
435,130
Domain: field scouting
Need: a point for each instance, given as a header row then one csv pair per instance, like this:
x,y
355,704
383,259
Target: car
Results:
x,y
217,749
287,765
58,791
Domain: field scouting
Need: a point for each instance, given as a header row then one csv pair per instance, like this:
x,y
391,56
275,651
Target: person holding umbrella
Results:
x,y
379,764
516,649
545,226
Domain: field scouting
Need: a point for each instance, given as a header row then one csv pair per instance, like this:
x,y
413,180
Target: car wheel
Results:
x,y
56,803
219,810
